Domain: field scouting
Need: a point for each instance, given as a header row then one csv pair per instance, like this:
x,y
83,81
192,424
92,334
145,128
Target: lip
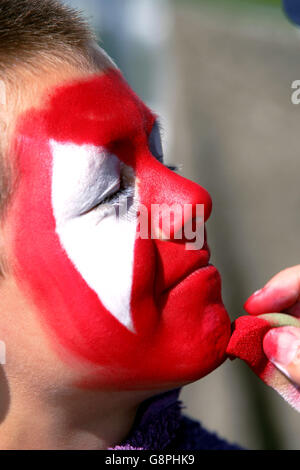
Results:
x,y
188,276
202,262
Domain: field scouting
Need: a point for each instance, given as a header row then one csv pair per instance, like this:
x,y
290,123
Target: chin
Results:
x,y
197,327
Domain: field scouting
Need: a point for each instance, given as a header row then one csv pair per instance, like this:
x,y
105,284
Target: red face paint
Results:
x,y
174,328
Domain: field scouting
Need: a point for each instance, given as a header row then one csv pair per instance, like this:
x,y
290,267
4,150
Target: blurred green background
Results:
x,y
219,73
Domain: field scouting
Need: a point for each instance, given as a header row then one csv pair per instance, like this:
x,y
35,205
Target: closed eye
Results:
x,y
124,191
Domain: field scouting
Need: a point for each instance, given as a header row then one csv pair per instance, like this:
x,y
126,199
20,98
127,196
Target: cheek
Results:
x,y
104,260
99,244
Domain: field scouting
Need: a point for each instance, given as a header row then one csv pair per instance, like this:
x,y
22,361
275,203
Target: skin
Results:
x,y
67,356
281,345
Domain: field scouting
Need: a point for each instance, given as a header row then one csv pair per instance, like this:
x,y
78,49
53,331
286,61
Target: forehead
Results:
x,y
99,110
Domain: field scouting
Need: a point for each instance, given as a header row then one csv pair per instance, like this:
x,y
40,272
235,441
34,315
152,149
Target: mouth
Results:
x,y
181,267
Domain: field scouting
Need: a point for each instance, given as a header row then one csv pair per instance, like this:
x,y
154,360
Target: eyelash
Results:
x,y
122,193
175,168
128,191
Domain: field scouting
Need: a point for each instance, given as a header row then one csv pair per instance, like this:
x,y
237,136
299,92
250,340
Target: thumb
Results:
x,y
282,347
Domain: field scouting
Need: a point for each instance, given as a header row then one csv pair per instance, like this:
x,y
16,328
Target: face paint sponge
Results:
x,y
246,343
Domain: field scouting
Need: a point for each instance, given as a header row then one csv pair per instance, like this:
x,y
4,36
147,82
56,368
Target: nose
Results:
x,y
162,189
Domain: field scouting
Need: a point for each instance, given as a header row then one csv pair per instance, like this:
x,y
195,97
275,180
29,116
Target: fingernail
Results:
x,y
281,345
248,303
258,292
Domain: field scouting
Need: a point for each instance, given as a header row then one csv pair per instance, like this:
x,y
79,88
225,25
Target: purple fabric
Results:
x,y
160,425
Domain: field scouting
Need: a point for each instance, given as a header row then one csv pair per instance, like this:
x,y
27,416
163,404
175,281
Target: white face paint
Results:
x,y
99,244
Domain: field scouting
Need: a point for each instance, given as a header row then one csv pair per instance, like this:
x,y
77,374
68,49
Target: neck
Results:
x,y
64,419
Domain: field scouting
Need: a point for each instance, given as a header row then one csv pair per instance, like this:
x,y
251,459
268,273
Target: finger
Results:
x,y
294,310
282,347
278,295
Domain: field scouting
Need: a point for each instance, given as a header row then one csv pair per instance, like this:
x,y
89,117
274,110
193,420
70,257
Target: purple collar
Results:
x,y
156,423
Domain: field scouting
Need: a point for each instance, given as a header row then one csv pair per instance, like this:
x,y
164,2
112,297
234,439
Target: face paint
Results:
x,y
142,312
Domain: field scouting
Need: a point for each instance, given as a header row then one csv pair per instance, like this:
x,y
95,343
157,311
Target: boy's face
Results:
x,y
142,312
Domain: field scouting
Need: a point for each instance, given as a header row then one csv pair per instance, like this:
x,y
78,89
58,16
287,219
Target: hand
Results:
x,y
281,345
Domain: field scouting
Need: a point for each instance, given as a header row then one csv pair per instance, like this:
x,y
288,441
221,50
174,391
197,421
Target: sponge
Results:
x,y
246,343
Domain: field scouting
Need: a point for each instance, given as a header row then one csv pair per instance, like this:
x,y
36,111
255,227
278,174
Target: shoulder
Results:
x,y
192,436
